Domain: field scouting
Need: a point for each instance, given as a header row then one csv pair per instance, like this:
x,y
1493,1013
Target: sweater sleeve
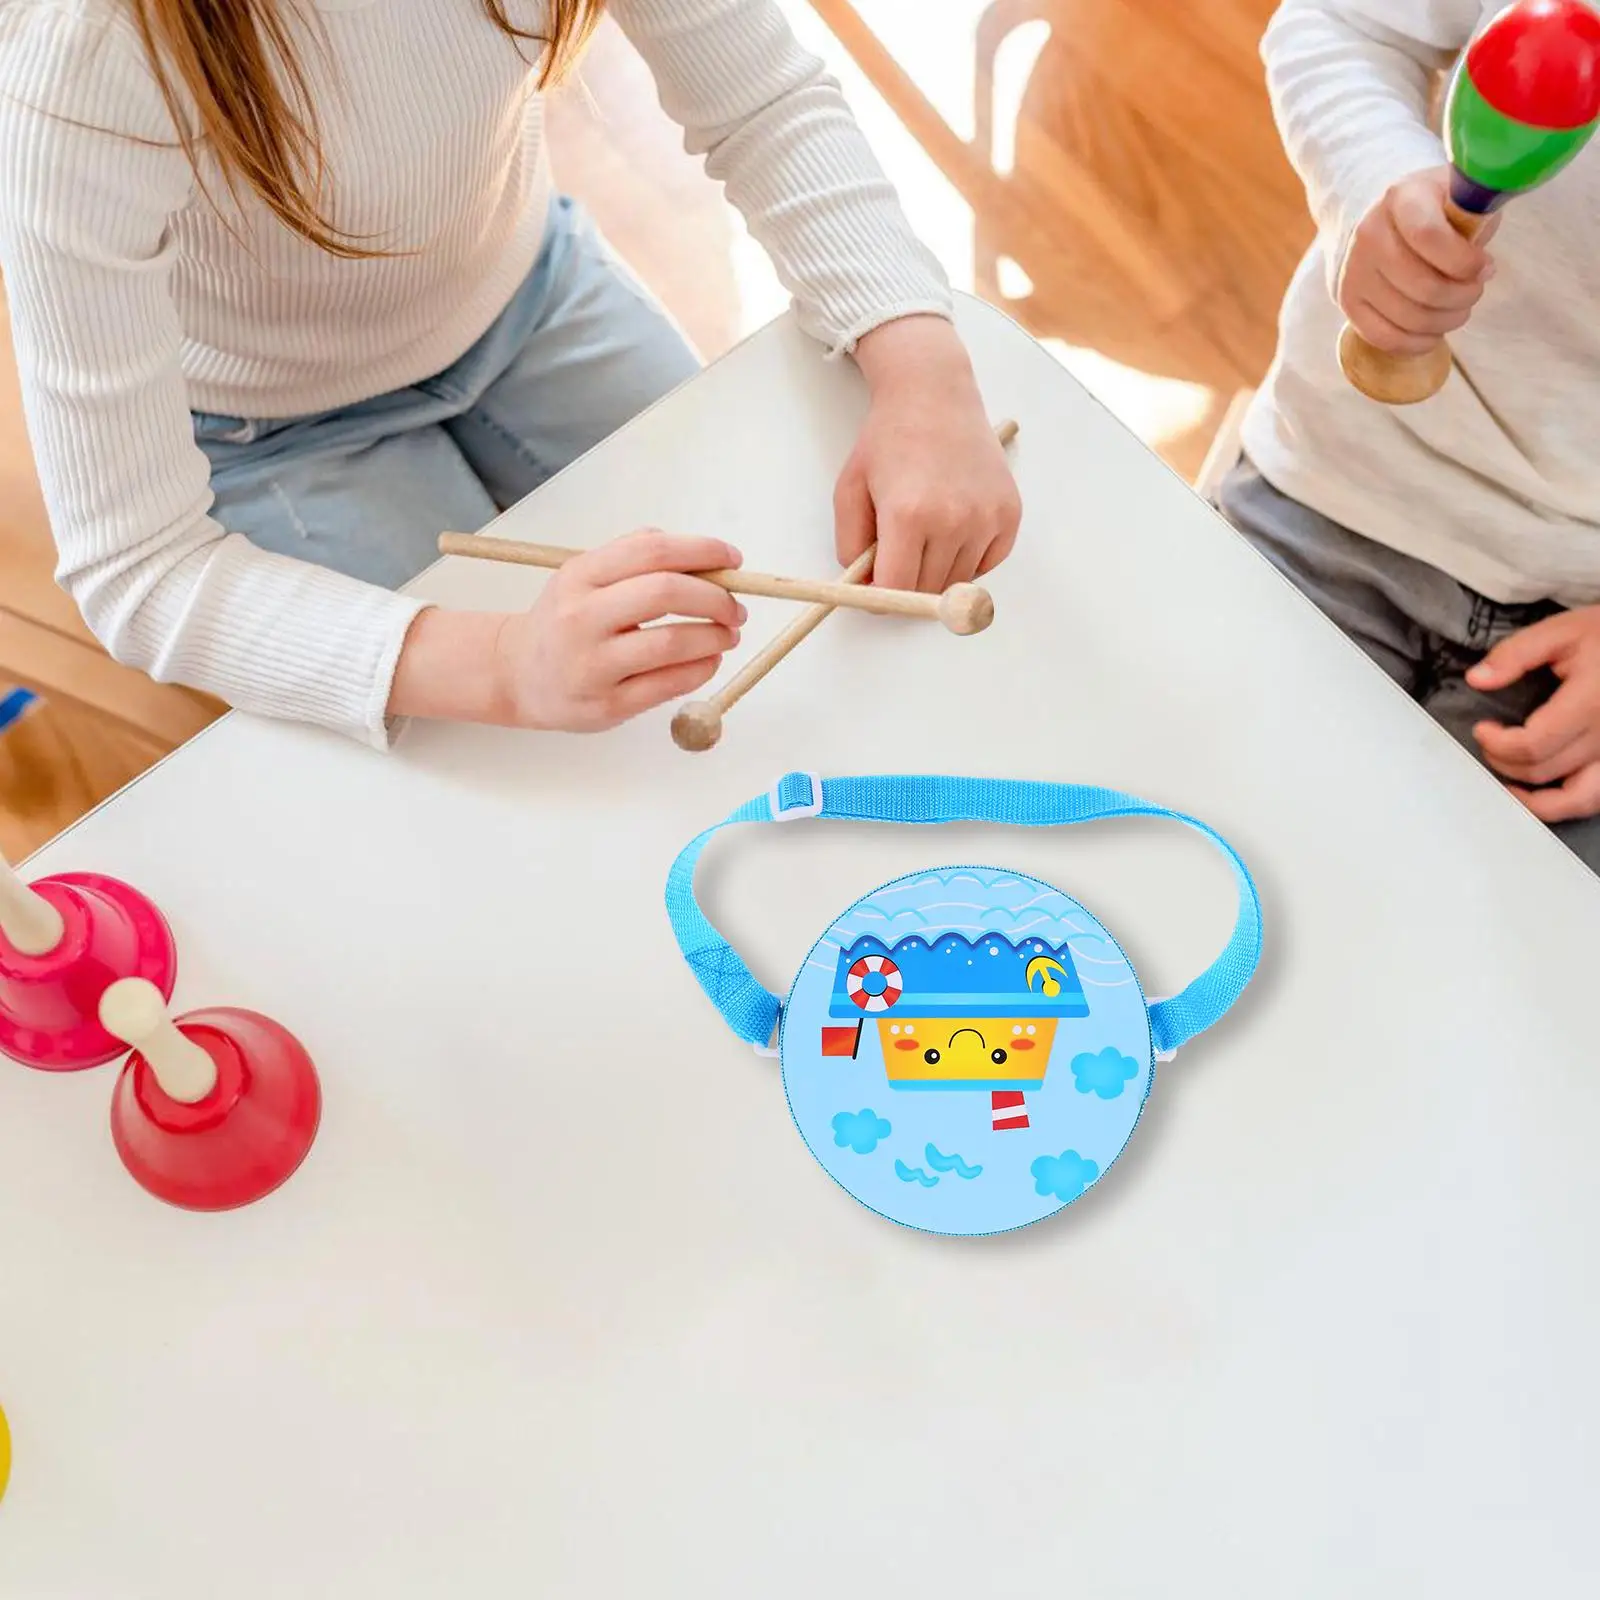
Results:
x,y
1351,83
777,132
90,175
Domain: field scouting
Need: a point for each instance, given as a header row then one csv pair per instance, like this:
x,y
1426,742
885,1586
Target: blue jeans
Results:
x,y
369,488
1417,623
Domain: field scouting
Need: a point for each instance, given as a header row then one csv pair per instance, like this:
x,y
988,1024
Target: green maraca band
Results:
x,y
1497,152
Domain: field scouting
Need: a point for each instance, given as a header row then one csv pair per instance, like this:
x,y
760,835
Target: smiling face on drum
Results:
x,y
966,1052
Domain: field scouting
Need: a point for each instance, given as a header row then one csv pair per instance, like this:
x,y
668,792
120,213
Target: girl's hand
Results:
x,y
927,479
1560,743
594,650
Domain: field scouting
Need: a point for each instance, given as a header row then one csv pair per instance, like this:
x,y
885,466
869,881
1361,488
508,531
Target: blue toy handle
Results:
x,y
752,1012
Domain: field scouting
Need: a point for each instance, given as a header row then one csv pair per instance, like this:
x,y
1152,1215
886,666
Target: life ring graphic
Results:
x,y
874,983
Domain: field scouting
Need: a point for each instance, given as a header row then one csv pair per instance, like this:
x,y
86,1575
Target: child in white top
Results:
x,y
1458,541
291,295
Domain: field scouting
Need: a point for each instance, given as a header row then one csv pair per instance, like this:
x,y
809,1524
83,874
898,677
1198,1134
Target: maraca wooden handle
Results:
x,y
1399,380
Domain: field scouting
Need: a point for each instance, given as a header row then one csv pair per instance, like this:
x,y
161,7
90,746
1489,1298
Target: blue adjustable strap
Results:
x,y
752,1012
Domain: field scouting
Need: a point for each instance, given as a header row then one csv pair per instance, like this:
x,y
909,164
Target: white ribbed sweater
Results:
x,y
134,302
1495,480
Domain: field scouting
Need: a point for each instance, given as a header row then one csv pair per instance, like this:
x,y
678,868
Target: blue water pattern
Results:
x,y
1096,1076
940,1162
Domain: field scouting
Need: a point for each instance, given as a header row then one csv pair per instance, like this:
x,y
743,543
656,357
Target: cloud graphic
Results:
x,y
940,1162
913,1175
1104,1074
1065,1176
859,1131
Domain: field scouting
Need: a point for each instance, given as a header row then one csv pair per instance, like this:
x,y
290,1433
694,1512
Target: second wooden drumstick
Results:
x,y
698,725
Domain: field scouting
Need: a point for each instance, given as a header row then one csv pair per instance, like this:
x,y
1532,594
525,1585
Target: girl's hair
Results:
x,y
233,82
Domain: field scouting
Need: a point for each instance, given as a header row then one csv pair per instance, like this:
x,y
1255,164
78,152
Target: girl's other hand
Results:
x,y
927,479
595,649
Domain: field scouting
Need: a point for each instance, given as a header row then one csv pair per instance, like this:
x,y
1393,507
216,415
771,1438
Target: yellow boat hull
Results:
x,y
963,1052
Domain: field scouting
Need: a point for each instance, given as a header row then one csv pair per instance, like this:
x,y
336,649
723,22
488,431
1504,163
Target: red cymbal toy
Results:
x,y
63,941
214,1110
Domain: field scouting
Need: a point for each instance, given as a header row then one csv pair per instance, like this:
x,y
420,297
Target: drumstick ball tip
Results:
x,y
965,608
697,726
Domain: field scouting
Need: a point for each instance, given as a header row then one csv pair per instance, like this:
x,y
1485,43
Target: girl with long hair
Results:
x,y
292,292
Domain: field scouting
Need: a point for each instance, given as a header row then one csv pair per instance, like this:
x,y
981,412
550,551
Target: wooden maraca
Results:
x,y
1523,101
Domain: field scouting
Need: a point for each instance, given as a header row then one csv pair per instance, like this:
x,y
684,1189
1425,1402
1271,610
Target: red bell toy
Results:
x,y
211,1111
63,942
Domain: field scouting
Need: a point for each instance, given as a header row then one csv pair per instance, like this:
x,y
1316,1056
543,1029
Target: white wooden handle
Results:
x,y
133,1011
29,922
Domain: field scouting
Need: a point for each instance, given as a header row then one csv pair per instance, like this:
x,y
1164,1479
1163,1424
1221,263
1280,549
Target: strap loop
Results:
x,y
796,795
753,1013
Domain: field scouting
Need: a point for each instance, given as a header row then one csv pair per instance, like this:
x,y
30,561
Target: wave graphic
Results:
x,y
940,1162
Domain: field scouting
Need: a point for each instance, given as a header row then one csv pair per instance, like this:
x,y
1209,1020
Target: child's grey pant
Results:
x,y
1421,626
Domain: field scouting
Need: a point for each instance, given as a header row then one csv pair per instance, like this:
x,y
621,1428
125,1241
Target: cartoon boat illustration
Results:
x,y
954,1013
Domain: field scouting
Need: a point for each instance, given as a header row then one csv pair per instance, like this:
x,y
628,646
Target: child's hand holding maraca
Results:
x,y
1523,102
1409,276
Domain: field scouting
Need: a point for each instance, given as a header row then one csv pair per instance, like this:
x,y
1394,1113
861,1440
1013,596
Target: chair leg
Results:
x,y
1225,447
1025,213
995,26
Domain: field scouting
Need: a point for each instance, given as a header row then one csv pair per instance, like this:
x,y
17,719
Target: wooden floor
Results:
x,y
1139,217
1162,106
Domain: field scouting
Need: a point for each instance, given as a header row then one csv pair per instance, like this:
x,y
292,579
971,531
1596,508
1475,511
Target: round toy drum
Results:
x,y
994,1077
966,1050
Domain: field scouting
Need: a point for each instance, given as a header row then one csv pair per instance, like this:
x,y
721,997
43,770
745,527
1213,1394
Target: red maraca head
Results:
x,y
1539,62
1524,100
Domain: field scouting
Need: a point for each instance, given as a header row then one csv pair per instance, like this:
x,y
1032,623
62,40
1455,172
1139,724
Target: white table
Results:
x,y
561,1306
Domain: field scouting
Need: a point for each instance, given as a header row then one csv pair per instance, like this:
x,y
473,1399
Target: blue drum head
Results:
x,y
966,1050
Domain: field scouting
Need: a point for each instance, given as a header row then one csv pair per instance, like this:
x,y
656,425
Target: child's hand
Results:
x,y
1409,278
927,479
1560,742
583,658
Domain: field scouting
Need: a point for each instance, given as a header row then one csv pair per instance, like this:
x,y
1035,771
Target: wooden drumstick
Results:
x,y
963,608
698,725
1523,101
